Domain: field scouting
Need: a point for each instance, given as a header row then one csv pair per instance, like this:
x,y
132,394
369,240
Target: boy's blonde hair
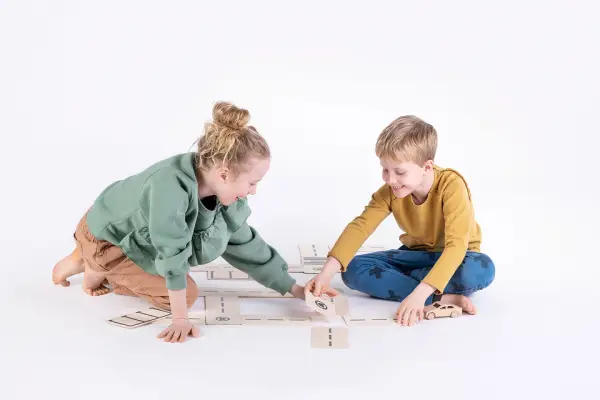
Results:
x,y
229,141
407,138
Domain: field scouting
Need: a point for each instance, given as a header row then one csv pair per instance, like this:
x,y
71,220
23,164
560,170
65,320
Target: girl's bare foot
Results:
x,y
67,267
93,282
461,301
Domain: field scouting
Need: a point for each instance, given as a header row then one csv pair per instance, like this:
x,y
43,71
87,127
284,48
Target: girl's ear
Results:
x,y
223,173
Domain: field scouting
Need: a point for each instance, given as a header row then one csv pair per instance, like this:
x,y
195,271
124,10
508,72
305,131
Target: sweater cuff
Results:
x,y
341,256
284,284
176,282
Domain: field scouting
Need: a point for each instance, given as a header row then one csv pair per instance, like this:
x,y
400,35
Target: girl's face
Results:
x,y
231,186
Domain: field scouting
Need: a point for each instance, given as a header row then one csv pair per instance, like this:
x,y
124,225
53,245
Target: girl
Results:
x,y
142,233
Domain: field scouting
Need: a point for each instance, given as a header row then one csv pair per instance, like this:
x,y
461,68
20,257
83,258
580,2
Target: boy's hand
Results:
x,y
179,330
412,308
322,282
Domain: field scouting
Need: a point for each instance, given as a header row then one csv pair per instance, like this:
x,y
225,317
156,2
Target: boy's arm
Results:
x,y
358,231
248,252
458,217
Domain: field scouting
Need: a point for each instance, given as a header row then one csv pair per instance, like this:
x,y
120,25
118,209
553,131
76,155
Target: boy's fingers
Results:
x,y
399,314
414,316
406,317
308,287
318,288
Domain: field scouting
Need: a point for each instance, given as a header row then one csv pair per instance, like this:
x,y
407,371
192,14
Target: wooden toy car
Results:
x,y
438,310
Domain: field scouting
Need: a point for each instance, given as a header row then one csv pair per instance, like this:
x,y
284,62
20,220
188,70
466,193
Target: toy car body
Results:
x,y
438,310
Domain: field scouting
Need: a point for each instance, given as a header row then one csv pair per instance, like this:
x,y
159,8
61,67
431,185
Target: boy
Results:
x,y
439,259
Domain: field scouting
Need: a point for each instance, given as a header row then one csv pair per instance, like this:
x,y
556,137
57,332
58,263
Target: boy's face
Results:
x,y
404,177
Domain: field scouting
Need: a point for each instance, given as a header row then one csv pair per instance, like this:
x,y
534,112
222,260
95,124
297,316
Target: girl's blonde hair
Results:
x,y
229,141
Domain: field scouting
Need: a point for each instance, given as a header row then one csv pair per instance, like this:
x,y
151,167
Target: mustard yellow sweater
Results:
x,y
445,223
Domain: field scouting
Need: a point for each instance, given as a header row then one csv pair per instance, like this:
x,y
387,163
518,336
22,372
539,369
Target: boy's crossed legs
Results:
x,y
394,274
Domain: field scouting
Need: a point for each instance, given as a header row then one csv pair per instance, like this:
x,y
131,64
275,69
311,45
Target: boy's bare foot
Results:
x,y
461,301
65,268
93,282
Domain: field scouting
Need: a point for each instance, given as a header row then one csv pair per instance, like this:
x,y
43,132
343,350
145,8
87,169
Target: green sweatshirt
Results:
x,y
156,218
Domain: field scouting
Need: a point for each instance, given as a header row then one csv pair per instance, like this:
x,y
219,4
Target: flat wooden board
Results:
x,y
139,318
369,248
242,293
323,337
312,269
313,256
227,274
341,305
354,320
295,269
222,310
195,317
281,320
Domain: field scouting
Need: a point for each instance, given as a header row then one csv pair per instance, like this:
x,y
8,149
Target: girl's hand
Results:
x,y
297,291
179,330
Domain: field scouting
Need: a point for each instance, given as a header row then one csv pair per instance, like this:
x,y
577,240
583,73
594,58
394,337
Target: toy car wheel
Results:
x,y
430,315
454,314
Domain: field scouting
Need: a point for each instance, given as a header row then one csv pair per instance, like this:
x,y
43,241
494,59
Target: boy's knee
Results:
x,y
354,270
478,271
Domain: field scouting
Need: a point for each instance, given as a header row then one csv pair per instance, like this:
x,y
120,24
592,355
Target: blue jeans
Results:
x,y
394,274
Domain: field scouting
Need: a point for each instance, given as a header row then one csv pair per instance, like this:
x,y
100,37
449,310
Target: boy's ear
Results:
x,y
428,165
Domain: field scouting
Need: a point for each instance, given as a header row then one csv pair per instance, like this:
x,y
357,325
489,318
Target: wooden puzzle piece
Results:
x,y
295,269
312,269
369,320
341,305
322,305
313,255
313,251
139,318
329,338
212,267
242,293
369,248
222,310
261,320
227,274
195,318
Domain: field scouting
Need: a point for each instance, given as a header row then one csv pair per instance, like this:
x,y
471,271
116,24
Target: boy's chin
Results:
x,y
402,193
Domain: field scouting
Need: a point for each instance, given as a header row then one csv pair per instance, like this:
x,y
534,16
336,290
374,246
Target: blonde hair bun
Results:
x,y
228,115
229,140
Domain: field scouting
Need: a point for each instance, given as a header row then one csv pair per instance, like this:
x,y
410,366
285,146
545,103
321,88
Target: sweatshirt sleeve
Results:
x,y
458,215
165,202
358,231
248,252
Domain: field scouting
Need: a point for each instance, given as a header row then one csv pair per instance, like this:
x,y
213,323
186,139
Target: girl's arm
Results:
x,y
248,252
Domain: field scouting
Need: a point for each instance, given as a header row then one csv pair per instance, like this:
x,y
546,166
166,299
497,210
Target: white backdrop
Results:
x,y
93,91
